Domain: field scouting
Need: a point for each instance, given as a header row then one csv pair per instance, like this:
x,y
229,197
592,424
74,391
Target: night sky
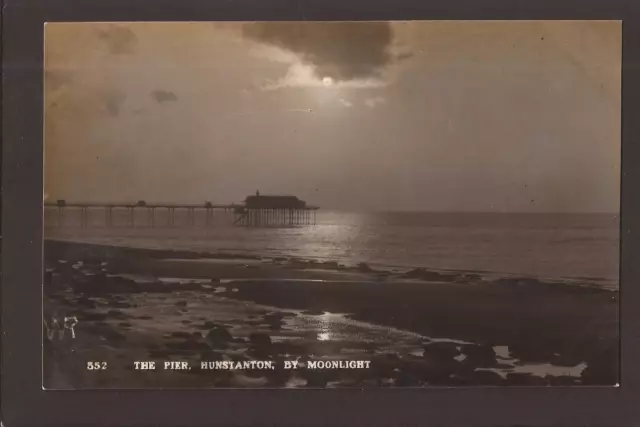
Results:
x,y
436,116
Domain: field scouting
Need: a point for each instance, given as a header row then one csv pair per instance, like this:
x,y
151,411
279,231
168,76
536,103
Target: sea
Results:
x,y
583,247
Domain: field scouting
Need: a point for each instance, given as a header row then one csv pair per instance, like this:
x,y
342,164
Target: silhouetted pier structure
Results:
x,y
261,211
256,211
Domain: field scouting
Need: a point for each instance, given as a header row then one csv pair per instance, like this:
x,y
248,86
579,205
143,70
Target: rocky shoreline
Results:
x,y
417,327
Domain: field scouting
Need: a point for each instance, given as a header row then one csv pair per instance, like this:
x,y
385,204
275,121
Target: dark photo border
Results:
x,y
24,403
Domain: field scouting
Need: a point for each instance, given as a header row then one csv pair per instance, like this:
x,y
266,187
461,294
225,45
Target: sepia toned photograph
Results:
x,y
339,204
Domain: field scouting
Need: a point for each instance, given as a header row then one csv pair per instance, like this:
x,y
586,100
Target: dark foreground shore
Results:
x,y
417,327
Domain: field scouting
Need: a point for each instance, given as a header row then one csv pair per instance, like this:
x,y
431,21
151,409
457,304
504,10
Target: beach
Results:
x,y
418,327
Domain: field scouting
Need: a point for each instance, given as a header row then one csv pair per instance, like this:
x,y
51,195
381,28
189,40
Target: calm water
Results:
x,y
543,245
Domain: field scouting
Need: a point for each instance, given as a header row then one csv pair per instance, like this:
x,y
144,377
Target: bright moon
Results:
x,y
327,81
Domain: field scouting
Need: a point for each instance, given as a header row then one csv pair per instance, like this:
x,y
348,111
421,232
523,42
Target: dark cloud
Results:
x,y
119,40
112,103
403,55
56,83
340,50
56,79
163,96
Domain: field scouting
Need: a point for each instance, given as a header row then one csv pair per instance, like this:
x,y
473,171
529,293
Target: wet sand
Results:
x,y
417,327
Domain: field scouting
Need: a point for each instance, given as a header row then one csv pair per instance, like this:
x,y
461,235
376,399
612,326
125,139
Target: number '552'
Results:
x,y
96,366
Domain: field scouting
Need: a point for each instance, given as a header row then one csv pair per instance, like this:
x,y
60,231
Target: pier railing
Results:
x,y
165,215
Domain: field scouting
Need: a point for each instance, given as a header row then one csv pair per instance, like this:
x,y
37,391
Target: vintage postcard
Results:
x,y
331,204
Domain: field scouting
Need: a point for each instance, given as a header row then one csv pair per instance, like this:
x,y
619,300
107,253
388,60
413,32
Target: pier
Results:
x,y
256,211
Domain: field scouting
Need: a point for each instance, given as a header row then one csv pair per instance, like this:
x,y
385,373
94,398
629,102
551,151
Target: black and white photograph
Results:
x,y
331,204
